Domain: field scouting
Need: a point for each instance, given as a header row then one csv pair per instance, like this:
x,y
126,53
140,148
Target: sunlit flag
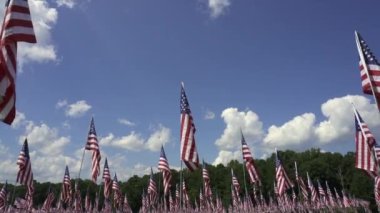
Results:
x,y
93,145
66,186
283,181
189,154
369,69
17,27
3,196
365,142
163,166
107,180
249,162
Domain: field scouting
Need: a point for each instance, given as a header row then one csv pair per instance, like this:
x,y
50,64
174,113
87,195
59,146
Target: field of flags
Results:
x,y
298,195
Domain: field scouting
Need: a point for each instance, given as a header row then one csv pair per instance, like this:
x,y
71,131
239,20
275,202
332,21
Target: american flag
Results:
x,y
126,207
206,181
330,196
93,145
152,188
377,152
48,201
235,182
301,184
249,162
3,196
17,27
107,180
346,201
25,174
116,190
185,195
189,153
163,166
314,195
368,65
29,196
87,201
66,186
365,142
283,181
377,189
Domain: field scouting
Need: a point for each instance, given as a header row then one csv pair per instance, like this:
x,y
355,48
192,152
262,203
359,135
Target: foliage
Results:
x,y
335,168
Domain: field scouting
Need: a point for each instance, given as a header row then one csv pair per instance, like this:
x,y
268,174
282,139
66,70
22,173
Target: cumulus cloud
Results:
x,y
135,141
209,115
61,103
294,132
19,120
237,121
224,157
126,122
340,117
66,3
302,132
44,19
77,109
45,138
218,7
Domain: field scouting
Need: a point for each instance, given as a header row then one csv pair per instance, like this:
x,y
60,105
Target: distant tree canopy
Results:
x,y
335,168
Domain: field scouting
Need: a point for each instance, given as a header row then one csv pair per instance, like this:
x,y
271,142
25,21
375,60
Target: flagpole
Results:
x,y
365,67
245,183
180,187
298,183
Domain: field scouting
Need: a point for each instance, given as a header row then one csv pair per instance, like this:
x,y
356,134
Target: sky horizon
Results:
x,y
285,73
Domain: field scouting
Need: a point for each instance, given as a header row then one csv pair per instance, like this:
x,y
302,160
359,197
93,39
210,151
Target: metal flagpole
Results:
x,y
180,187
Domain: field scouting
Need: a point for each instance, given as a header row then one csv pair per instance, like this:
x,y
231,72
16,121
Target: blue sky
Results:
x,y
284,72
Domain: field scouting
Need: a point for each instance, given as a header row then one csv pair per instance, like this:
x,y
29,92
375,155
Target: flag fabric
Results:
x,y
206,181
87,201
3,196
369,69
116,191
29,196
107,180
66,186
235,182
377,190
365,142
17,27
48,201
314,195
152,188
25,174
93,145
189,154
163,166
301,184
249,162
377,153
283,181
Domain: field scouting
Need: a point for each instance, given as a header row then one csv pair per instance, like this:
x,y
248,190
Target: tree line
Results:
x,y
337,169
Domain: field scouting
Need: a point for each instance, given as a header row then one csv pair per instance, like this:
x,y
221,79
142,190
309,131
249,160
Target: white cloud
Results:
x,y
61,103
209,115
294,132
66,3
44,19
135,142
44,138
224,157
77,109
299,133
340,117
126,122
218,7
158,138
236,120
19,120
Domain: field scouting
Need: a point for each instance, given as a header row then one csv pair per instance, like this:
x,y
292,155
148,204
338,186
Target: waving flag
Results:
x,y
369,69
365,142
66,186
152,188
189,153
206,181
107,180
3,196
93,145
17,27
163,166
116,191
314,195
249,162
48,201
283,181
25,174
